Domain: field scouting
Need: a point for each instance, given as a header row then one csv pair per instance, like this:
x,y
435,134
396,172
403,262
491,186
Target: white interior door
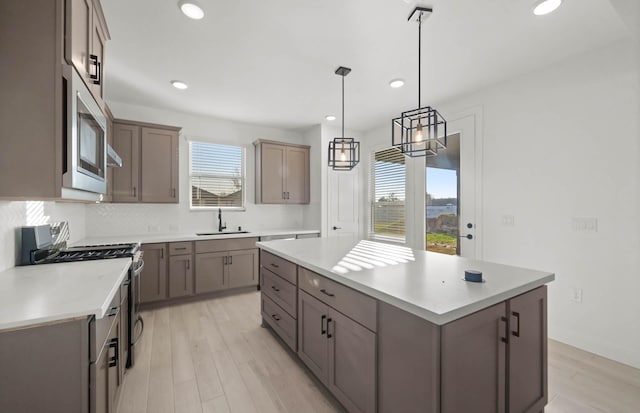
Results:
x,y
344,200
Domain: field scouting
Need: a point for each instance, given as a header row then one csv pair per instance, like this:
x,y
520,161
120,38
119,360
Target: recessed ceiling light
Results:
x,y
179,84
191,9
396,83
542,7
330,117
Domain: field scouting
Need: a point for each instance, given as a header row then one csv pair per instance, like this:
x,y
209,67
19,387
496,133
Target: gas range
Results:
x,y
85,253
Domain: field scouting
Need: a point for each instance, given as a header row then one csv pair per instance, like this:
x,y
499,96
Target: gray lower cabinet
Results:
x,y
210,272
242,268
180,276
339,351
153,279
226,263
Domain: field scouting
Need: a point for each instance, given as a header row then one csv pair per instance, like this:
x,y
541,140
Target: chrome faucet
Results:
x,y
220,226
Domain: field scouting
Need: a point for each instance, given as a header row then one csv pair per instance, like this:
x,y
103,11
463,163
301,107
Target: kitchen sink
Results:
x,y
222,233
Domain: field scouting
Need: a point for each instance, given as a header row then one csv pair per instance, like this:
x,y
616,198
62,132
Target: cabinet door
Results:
x,y
242,267
159,165
527,377
210,269
98,41
473,360
124,339
153,279
126,142
313,347
101,393
114,365
272,173
352,363
180,276
78,35
297,175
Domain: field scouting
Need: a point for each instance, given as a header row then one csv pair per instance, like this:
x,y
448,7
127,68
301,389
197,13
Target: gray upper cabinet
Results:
x,y
282,173
85,37
149,170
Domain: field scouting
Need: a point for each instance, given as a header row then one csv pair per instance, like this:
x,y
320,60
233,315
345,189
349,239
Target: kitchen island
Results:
x,y
386,328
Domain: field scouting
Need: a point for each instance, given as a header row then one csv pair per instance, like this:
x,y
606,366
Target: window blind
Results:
x,y
216,175
388,182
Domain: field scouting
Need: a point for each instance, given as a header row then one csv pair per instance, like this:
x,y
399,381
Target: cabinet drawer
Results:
x,y
280,291
353,304
230,244
279,266
104,325
180,248
281,322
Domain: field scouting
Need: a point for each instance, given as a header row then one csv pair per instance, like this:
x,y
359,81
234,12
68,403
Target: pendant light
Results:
x,y
344,153
422,131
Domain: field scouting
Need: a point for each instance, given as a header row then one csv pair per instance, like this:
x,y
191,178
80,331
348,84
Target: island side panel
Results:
x,y
408,362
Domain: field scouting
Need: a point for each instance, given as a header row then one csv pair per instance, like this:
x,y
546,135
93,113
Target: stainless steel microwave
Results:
x,y
84,136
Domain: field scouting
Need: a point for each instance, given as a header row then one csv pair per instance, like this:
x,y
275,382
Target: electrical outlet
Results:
x,y
585,224
576,295
508,220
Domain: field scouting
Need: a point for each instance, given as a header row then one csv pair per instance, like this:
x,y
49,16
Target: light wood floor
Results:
x,y
213,356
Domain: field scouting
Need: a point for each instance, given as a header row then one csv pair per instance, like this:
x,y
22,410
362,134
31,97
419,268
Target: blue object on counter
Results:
x,y
473,276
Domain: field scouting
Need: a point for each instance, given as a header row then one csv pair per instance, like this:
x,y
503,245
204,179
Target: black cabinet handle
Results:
x,y
274,265
325,292
224,260
275,317
468,236
505,339
274,288
230,259
517,316
181,248
113,343
96,77
323,330
112,312
328,333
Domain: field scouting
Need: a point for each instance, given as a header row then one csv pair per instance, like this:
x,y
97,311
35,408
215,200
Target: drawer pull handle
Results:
x,y
325,292
113,361
112,312
274,288
274,265
328,332
517,316
181,248
323,330
275,317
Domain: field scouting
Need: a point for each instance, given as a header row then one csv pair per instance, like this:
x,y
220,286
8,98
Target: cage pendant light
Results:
x,y
422,131
344,153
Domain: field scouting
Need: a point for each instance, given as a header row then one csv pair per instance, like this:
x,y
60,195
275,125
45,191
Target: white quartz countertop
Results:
x,y
37,294
427,284
190,236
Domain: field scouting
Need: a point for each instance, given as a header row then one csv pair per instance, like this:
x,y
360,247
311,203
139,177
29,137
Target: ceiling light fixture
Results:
x,y
396,83
179,84
191,9
344,153
330,118
542,7
422,131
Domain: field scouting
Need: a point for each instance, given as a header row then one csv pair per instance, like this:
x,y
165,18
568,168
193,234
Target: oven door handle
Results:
x,y
139,268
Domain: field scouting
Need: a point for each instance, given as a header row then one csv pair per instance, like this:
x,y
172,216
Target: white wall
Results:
x,y
20,213
563,143
114,219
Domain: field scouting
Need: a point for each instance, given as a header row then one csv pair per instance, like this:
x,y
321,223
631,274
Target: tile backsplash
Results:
x,y
15,214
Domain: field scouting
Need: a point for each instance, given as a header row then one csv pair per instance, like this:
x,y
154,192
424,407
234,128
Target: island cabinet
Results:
x,y
494,360
278,283
153,279
180,269
225,263
282,173
149,172
337,339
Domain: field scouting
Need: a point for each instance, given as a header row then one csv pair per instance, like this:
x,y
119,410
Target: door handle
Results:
x,y
93,61
468,236
505,338
517,316
274,288
113,361
224,260
230,259
323,331
328,333
135,192
335,228
275,317
325,292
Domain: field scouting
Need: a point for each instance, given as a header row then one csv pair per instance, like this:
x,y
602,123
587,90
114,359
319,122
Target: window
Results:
x,y
388,178
216,175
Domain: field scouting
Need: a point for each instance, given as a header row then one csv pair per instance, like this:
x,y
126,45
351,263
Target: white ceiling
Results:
x,y
272,62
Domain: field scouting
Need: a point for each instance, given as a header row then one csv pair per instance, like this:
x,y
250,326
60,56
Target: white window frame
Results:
x,y
243,180
372,200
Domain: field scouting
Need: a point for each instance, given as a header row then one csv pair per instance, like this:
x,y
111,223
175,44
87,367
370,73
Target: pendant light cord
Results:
x,y
342,106
419,56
